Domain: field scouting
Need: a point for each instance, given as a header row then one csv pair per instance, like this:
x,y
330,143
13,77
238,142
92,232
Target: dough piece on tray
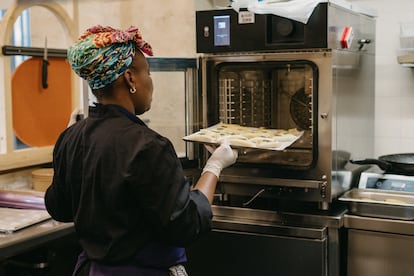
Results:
x,y
239,140
285,138
204,136
268,145
394,200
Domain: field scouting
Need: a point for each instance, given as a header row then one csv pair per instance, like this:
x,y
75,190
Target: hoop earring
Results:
x,y
132,90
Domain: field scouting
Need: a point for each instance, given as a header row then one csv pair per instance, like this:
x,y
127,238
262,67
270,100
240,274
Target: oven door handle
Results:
x,y
231,224
313,184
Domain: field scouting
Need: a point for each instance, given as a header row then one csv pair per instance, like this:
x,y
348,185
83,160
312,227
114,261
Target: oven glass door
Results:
x,y
174,105
267,94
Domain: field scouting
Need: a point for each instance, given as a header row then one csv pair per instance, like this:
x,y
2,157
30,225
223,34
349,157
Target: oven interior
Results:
x,y
277,95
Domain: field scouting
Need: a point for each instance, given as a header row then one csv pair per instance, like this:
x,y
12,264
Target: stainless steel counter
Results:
x,y
379,246
32,237
395,226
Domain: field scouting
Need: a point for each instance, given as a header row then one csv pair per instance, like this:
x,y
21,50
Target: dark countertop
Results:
x,y
33,236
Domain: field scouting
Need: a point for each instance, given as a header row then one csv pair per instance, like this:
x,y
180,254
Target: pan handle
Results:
x,y
382,164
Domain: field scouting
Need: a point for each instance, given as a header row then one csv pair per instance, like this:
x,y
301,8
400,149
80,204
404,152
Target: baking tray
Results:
x,y
378,203
235,135
12,219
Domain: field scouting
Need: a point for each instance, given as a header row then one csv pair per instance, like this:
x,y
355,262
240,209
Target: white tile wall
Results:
x,y
394,126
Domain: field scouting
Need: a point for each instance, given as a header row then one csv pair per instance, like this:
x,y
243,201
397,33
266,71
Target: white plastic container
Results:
x,y
407,35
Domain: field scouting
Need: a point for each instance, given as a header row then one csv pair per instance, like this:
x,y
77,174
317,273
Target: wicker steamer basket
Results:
x,y
41,179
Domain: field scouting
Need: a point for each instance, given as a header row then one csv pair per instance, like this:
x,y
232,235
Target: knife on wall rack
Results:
x,y
45,64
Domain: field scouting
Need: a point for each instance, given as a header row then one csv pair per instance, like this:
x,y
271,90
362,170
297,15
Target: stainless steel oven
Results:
x,y
278,73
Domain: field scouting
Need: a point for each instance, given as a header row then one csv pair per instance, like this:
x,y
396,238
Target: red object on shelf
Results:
x,y
346,37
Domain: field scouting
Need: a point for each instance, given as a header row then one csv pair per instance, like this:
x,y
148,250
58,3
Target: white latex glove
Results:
x,y
222,157
74,116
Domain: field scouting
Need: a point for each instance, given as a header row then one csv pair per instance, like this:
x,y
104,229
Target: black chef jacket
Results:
x,y
122,185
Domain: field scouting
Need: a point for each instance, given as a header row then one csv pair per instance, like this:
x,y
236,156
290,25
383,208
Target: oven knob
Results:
x,y
378,184
284,27
323,189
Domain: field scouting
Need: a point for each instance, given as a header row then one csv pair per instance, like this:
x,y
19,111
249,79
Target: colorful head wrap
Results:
x,y
102,54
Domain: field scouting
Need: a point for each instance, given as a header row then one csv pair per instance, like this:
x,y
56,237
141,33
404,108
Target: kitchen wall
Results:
x,y
167,25
394,97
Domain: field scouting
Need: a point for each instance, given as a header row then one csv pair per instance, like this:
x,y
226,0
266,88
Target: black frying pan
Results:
x,y
402,163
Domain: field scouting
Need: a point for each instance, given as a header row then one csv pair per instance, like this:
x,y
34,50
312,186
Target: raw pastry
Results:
x,y
393,200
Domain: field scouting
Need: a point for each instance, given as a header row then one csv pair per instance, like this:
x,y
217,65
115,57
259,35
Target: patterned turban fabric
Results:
x,y
102,54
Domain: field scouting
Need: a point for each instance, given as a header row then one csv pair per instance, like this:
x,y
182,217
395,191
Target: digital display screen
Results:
x,y
390,184
222,30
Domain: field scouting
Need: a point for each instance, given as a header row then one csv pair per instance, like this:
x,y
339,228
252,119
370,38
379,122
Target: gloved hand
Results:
x,y
222,157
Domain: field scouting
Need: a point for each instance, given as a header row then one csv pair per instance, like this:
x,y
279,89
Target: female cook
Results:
x,y
120,182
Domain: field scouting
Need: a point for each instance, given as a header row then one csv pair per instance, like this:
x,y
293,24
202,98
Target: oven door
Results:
x,y
175,108
243,253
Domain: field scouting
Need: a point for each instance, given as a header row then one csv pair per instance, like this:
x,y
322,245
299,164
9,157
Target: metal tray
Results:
x,y
382,204
229,131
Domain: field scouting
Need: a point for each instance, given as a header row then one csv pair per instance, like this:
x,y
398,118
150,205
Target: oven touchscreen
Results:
x,y
222,30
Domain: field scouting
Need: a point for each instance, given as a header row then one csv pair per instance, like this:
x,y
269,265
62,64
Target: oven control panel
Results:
x,y
225,30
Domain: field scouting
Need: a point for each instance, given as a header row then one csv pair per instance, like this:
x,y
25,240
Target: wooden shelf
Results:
x,y
406,60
